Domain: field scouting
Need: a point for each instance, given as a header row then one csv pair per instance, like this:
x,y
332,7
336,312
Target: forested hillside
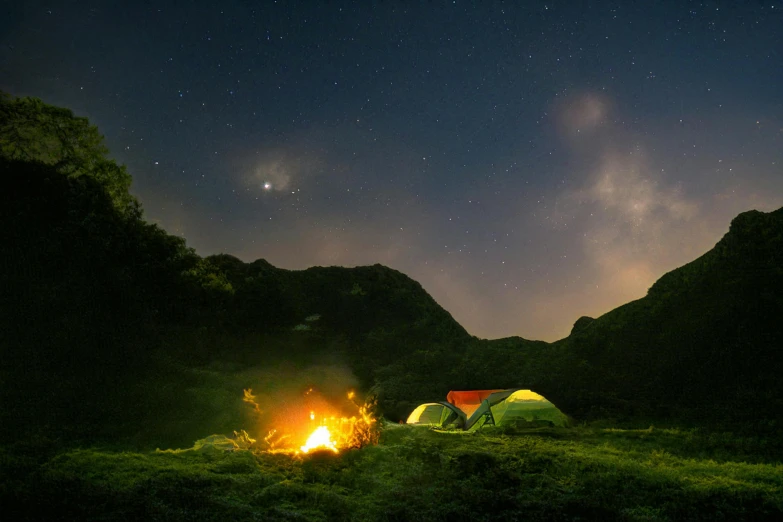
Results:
x,y
113,328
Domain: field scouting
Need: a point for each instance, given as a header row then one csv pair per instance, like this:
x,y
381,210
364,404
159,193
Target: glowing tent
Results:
x,y
475,408
437,414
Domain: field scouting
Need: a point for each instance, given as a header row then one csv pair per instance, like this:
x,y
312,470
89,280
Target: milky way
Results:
x,y
527,165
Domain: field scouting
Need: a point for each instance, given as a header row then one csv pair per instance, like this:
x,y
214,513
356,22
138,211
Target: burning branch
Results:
x,y
251,399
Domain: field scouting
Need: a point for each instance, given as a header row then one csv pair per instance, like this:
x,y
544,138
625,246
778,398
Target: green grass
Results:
x,y
414,474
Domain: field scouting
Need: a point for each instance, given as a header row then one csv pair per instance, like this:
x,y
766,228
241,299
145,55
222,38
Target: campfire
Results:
x,y
320,438
316,424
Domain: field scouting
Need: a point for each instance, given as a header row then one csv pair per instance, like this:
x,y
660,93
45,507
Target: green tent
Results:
x,y
437,414
525,405
475,408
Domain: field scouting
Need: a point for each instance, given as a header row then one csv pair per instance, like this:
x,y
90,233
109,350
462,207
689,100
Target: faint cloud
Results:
x,y
630,222
274,170
279,169
581,114
635,224
630,194
274,173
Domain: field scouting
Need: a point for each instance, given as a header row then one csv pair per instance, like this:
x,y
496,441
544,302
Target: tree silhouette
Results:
x,y
31,130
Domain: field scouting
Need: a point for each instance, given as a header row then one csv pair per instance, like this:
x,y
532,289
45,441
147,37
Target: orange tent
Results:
x,y
469,401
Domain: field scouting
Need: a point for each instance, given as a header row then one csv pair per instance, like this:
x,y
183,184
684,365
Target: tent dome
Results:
x,y
475,408
438,414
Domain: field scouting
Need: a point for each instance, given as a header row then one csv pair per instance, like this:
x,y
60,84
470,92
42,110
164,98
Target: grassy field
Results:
x,y
413,474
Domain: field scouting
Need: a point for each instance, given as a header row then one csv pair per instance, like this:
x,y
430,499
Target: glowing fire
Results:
x,y
320,438
319,424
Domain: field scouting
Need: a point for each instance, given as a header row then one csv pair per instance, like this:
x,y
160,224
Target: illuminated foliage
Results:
x,y
541,474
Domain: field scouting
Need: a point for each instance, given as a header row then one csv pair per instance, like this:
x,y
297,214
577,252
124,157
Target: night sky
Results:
x,y
526,164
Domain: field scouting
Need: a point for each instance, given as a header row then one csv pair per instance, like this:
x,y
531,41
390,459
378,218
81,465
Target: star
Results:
x,y
583,170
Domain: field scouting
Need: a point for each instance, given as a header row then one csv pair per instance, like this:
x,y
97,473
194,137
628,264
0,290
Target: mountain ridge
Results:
x,y
105,316
694,331
711,324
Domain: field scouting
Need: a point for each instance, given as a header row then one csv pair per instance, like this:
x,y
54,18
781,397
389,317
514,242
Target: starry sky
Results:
x,y
527,162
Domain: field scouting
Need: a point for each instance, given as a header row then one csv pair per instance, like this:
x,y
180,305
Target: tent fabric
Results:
x,y
430,413
471,409
438,414
469,401
526,405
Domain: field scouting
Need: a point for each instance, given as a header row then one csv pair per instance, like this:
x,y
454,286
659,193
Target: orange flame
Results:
x,y
320,438
319,425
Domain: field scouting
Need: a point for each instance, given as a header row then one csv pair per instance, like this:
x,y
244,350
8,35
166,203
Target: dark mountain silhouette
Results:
x,y
704,345
105,319
706,341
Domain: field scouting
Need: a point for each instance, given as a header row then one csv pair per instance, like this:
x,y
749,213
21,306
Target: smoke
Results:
x,y
283,395
287,382
303,409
